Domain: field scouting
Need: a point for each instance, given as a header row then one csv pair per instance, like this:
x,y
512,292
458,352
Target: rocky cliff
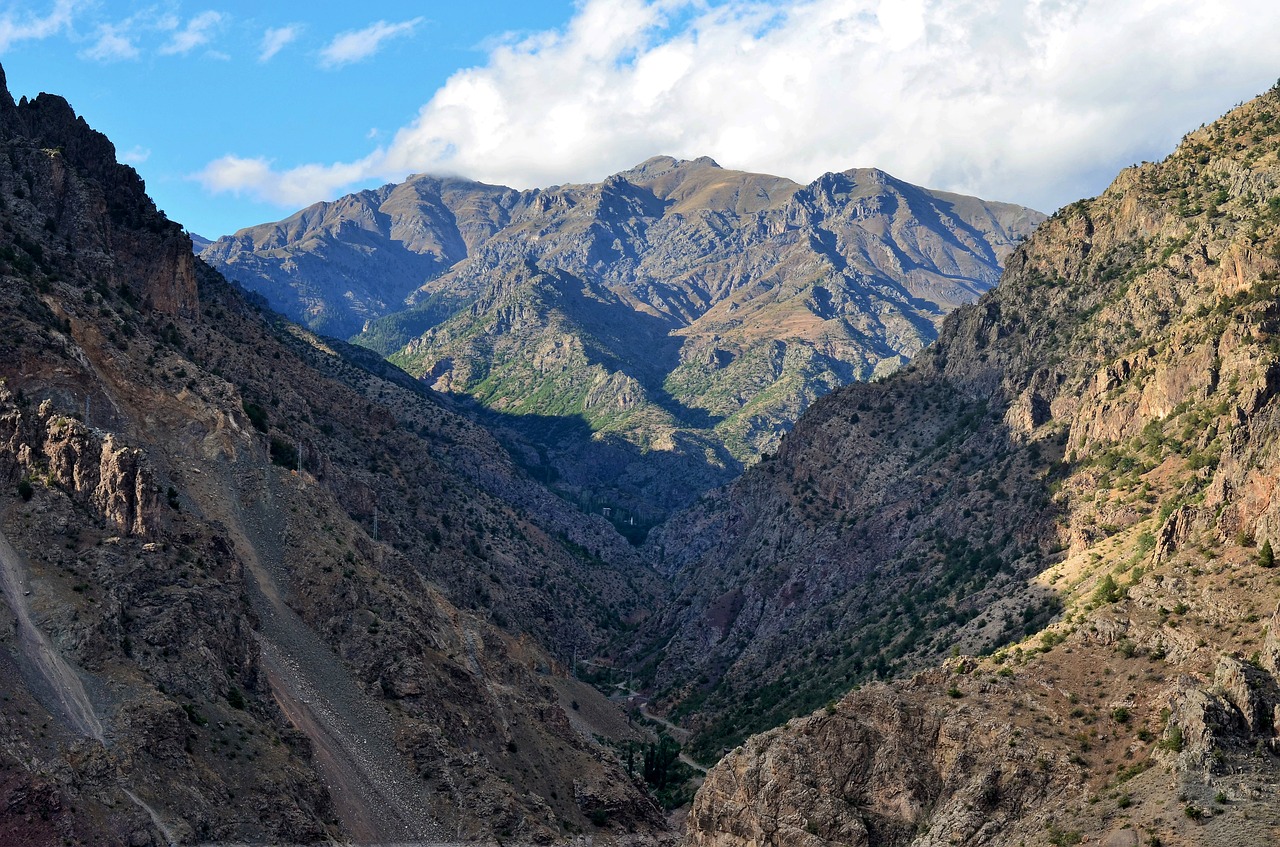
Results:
x,y
1100,432
264,587
669,323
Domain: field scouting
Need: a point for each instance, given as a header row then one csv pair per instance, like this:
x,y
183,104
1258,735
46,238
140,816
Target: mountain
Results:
x,y
263,586
1094,444
670,322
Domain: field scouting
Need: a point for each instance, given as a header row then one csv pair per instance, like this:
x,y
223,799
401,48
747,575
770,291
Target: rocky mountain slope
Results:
x,y
1095,440
264,587
669,323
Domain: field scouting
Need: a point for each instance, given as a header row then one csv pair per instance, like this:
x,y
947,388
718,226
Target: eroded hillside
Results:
x,y
1101,431
264,588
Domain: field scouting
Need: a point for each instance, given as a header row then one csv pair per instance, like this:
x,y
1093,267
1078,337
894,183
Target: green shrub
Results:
x,y
284,453
1173,739
1107,591
256,414
194,716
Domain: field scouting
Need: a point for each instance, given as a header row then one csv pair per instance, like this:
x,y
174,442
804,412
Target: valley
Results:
x,y
889,559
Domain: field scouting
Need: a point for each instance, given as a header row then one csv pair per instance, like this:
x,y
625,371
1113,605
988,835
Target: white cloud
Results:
x,y
29,27
276,39
357,45
1036,102
299,186
112,43
136,156
198,31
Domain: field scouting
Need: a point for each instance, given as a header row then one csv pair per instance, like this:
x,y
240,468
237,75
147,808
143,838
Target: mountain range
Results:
x,y
666,325
266,586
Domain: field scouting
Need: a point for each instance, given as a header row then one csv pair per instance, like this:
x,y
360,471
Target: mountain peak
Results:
x,y
6,99
874,175
656,167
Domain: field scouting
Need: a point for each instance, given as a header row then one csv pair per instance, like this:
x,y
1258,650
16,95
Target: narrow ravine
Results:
x,y
49,676
156,820
353,741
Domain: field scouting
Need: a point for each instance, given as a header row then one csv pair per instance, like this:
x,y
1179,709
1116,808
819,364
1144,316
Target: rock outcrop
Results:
x,y
1100,432
882,767
265,587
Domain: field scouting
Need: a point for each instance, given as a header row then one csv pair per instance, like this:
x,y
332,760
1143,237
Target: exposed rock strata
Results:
x,y
682,314
1125,369
263,588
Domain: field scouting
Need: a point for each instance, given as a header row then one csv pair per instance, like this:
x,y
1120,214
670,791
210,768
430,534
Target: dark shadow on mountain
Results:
x,y
964,519
600,471
631,342
348,296
925,207
389,333
595,471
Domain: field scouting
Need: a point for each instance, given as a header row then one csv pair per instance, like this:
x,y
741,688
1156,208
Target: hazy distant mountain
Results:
x,y
681,312
198,242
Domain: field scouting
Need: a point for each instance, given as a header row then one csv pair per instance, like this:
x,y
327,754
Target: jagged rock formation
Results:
x,y
1119,455
682,314
264,587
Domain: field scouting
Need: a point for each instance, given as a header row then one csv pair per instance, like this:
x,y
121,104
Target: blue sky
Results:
x,y
239,113
171,109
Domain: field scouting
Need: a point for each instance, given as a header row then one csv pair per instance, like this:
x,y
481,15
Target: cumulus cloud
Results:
x,y
276,39
357,45
298,186
198,31
29,27
1033,102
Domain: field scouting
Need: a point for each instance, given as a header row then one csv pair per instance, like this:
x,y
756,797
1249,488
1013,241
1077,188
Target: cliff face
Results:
x,y
669,323
1126,373
263,587
128,241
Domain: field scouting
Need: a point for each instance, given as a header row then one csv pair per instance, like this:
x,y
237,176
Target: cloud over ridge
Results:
x,y
1030,102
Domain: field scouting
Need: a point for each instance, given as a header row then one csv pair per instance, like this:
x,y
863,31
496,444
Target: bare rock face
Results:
x,y
266,568
135,246
1115,396
668,324
110,478
881,767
